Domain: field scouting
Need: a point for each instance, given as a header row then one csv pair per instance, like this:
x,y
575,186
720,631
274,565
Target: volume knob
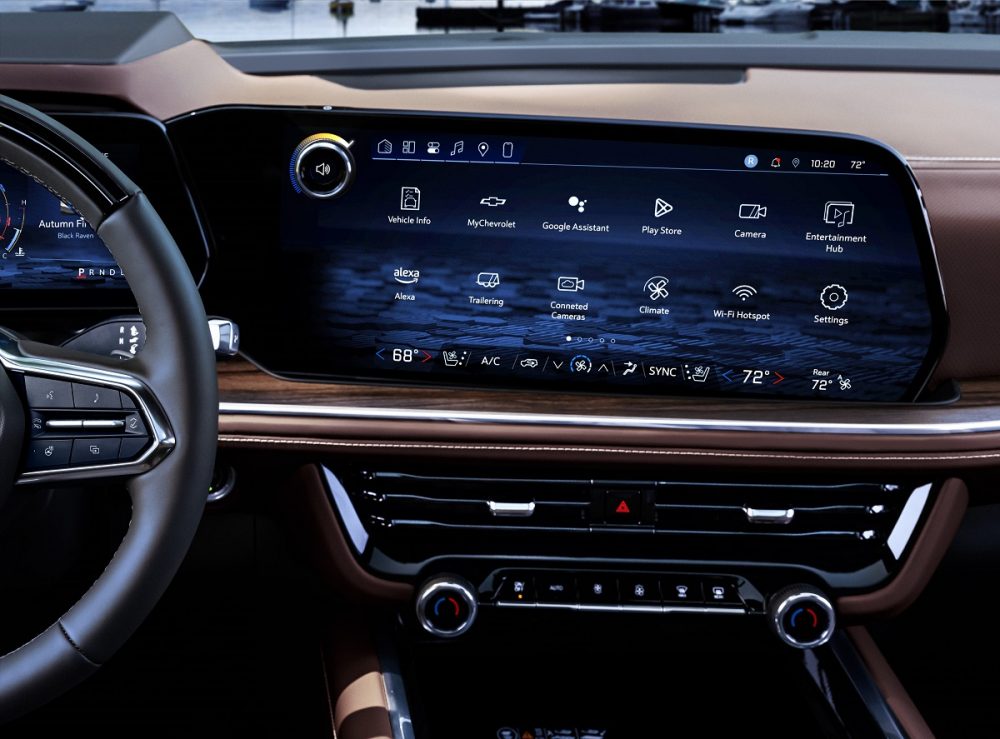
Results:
x,y
322,166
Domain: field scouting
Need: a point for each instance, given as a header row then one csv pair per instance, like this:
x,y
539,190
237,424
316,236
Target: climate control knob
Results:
x,y
446,606
801,617
322,166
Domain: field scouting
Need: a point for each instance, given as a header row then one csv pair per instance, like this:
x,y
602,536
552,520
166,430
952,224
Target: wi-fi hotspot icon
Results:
x,y
744,292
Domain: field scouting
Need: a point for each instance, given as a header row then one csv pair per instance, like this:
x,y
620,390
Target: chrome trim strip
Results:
x,y
621,608
512,510
161,437
394,688
348,514
906,524
780,516
622,422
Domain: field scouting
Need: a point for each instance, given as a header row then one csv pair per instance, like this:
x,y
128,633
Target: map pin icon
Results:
x,y
483,148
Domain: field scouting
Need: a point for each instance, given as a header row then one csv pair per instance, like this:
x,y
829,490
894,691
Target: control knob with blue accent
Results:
x,y
801,616
446,606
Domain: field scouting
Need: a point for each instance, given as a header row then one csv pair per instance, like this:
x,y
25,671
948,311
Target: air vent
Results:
x,y
413,518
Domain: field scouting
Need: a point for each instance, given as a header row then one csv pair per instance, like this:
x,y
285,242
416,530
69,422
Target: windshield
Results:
x,y
248,20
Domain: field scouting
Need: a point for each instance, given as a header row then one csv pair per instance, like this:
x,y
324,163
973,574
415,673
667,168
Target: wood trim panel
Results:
x,y
241,382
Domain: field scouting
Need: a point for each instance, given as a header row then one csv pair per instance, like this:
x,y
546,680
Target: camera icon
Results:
x,y
752,211
570,284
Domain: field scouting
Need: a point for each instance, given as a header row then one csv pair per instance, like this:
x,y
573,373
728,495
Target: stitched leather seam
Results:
x,y
271,441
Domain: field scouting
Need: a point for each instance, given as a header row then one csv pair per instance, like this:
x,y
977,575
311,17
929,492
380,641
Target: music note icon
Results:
x,y
458,148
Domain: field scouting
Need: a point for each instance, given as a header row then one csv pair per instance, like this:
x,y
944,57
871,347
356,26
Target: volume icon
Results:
x,y
744,292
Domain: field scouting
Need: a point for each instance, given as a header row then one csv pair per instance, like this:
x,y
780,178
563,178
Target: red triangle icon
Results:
x,y
623,508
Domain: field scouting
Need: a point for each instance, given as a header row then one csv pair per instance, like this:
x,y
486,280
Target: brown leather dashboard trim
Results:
x,y
936,535
312,516
906,711
614,454
881,105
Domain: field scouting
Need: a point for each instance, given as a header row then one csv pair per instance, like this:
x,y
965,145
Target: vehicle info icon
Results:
x,y
409,198
488,279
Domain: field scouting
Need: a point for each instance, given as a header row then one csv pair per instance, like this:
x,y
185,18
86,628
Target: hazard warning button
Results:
x,y
623,507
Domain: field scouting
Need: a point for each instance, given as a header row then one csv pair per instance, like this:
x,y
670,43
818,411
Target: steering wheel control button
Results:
x,y
36,424
682,591
624,508
801,617
127,401
48,453
446,606
95,451
93,396
557,588
45,393
322,166
598,590
131,447
516,590
134,425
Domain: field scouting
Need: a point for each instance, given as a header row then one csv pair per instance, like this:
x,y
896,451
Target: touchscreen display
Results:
x,y
600,257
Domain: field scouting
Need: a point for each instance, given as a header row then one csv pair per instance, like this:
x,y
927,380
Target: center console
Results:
x,y
489,339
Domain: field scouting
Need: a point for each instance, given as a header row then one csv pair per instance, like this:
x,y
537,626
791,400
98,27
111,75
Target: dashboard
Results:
x,y
549,253
525,346
219,168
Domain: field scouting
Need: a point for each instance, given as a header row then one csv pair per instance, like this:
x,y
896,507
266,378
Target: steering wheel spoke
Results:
x,y
86,417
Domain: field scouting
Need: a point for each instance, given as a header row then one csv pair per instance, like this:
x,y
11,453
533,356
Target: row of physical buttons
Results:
x,y
49,453
130,424
608,590
45,393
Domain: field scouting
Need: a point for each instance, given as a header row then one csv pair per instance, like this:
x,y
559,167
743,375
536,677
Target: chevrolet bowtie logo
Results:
x,y
661,208
493,201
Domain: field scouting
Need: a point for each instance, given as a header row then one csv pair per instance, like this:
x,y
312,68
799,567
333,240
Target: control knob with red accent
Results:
x,y
446,606
801,617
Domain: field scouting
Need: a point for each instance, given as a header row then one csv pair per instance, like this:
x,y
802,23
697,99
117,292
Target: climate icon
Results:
x,y
656,287
744,292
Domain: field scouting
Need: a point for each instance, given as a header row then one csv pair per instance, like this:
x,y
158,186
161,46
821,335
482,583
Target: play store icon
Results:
x,y
661,208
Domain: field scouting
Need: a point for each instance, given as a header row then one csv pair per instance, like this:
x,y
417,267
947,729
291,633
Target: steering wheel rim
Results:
x,y
173,379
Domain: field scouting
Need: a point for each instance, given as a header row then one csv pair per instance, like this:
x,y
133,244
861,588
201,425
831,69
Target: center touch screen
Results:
x,y
595,256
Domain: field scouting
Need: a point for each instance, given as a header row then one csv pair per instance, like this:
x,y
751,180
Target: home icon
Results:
x,y
385,146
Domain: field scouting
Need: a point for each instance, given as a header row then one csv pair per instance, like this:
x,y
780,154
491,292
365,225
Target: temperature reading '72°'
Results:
x,y
755,376
857,163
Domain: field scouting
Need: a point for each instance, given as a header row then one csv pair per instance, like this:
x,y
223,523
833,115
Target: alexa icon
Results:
x,y
409,198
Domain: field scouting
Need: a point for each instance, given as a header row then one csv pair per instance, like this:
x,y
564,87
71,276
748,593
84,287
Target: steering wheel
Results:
x,y
168,391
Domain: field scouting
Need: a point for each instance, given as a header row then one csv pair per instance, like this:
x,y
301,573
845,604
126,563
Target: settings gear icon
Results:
x,y
833,297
